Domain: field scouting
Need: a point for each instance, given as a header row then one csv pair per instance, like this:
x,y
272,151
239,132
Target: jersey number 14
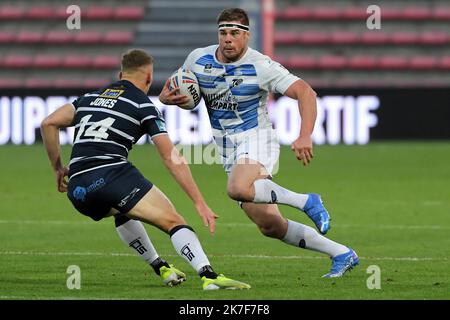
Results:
x,y
97,130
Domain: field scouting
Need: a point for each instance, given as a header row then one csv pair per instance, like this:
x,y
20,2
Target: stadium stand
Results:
x,y
327,41
323,41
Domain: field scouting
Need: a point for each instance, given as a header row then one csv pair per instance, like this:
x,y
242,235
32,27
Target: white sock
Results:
x,y
267,191
188,246
306,237
133,234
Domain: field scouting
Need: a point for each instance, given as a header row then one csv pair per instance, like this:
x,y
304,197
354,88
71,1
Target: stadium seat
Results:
x,y
362,62
8,12
64,83
6,37
327,13
441,13
400,38
26,37
392,62
88,37
313,37
6,83
40,13
422,63
77,61
355,13
294,13
391,13
444,63
58,37
344,37
96,83
299,62
106,62
118,37
98,13
37,83
17,61
129,13
332,62
374,37
47,61
285,38
434,38
416,13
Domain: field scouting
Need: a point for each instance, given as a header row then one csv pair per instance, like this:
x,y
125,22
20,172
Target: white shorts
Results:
x,y
260,145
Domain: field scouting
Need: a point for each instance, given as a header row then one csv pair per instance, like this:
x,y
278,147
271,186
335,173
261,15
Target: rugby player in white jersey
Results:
x,y
235,82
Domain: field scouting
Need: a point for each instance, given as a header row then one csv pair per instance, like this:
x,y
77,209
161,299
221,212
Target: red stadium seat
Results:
x,y
392,62
8,12
106,62
41,13
6,37
444,63
98,13
391,13
6,83
285,38
299,62
355,13
441,13
77,61
404,38
327,13
434,38
17,61
421,63
416,13
129,13
332,62
61,13
344,37
374,37
95,83
47,61
88,37
37,83
118,37
29,37
59,37
313,37
294,13
362,62
63,83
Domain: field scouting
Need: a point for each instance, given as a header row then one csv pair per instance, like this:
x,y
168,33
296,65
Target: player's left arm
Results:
x,y
306,97
60,118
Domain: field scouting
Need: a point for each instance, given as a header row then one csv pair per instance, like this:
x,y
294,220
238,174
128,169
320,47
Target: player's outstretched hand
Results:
x,y
303,149
208,216
169,97
61,179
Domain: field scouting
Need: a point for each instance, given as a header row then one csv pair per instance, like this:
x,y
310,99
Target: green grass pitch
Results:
x,y
389,201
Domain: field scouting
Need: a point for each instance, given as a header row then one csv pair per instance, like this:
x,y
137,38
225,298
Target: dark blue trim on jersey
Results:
x,y
245,90
240,70
208,59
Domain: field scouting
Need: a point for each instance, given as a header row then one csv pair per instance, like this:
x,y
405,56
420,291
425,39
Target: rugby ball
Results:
x,y
186,81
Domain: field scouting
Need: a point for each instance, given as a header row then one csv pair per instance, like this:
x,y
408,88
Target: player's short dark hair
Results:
x,y
134,59
233,14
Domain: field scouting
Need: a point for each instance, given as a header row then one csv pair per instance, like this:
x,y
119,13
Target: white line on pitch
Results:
x,y
239,225
246,256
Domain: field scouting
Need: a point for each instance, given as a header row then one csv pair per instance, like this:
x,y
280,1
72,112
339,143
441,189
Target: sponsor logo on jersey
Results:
x,y
208,68
112,93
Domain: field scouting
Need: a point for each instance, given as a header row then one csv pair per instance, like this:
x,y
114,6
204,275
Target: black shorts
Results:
x,y
95,192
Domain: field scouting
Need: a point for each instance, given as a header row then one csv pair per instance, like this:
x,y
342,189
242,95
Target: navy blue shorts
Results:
x,y
95,192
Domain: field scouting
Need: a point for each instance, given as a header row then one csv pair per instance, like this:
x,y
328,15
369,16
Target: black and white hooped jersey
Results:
x,y
107,124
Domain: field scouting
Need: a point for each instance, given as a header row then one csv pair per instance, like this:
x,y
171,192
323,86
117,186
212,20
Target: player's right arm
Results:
x,y
178,167
60,118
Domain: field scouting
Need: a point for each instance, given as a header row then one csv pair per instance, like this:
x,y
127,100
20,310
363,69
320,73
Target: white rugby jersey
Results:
x,y
236,93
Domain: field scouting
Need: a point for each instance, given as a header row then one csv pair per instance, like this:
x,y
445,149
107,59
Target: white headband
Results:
x,y
233,25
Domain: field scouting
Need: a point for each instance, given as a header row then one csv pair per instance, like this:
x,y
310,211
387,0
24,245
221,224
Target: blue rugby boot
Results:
x,y
342,263
317,213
